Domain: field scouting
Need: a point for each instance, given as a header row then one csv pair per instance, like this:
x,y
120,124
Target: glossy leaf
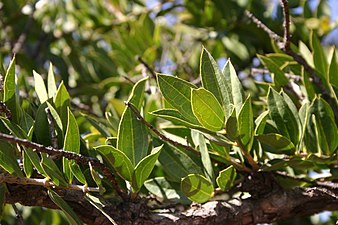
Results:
x,y
9,88
72,138
40,87
226,178
237,92
260,122
197,188
245,124
144,168
207,109
178,93
52,170
62,102
231,126
212,77
177,164
282,116
77,172
51,85
66,209
132,137
117,160
276,143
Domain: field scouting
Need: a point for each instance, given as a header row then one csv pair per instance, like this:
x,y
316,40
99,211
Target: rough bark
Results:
x,y
268,203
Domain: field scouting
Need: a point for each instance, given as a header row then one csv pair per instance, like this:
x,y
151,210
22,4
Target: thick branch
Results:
x,y
273,205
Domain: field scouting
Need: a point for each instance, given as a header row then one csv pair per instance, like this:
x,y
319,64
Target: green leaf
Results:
x,y
62,103
212,77
41,126
333,70
326,127
260,122
40,87
319,59
100,205
176,163
76,170
207,109
166,190
10,90
245,124
96,177
197,188
51,85
231,126
144,168
237,92
98,125
118,160
178,93
278,75
282,116
205,157
8,159
52,170
226,178
174,116
72,138
306,53
66,209
132,137
276,143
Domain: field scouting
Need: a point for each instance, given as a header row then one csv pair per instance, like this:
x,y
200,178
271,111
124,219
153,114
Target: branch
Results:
x,y
274,204
286,24
10,179
69,155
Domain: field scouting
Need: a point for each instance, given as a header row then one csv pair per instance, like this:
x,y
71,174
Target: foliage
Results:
x,y
183,138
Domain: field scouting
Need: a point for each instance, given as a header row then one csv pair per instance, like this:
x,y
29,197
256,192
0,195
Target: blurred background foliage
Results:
x,y
94,45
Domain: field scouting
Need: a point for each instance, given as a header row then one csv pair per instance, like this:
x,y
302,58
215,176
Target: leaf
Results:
x,y
66,209
260,122
52,170
174,116
205,157
197,188
226,178
76,170
178,93
97,203
237,92
326,127
10,89
276,143
176,163
212,77
333,70
144,168
282,116
51,85
231,126
98,125
62,103
8,159
319,59
132,137
245,124
278,75
164,189
72,138
118,160
207,109
96,177
306,53
40,87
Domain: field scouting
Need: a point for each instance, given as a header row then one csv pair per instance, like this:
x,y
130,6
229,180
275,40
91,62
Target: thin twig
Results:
x,y
261,25
10,179
69,155
18,214
286,24
151,70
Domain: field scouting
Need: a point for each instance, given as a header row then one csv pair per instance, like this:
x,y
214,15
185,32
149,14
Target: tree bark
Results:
x,y
268,203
